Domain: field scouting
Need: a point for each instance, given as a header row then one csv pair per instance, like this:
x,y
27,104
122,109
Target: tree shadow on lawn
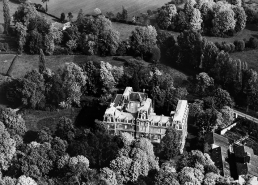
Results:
x,y
255,36
251,27
15,1
30,136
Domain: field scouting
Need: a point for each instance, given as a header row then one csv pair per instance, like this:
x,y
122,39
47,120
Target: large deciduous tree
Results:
x,y
224,19
240,18
204,84
106,78
170,144
24,13
73,79
166,16
222,98
135,159
14,124
190,47
7,147
142,40
7,15
23,180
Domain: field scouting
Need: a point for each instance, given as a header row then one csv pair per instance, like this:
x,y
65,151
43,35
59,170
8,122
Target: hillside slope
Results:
x,y
56,7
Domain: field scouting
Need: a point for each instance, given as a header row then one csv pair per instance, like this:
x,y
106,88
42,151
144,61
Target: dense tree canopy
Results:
x,y
170,144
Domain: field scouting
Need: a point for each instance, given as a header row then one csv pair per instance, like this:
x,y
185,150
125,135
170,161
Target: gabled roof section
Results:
x,y
180,110
160,119
117,100
137,96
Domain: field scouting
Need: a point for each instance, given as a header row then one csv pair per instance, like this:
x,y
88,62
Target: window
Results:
x,y
109,119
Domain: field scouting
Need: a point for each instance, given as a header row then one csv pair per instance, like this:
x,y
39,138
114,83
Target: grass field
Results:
x,y
134,7
249,31
125,30
36,119
26,63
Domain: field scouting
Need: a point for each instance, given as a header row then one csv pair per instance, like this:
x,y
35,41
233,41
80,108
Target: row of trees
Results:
x,y
208,17
232,75
90,35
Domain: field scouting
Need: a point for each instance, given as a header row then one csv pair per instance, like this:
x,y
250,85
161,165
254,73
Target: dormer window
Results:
x,y
109,119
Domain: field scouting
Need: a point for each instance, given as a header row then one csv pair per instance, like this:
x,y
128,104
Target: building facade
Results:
x,y
133,112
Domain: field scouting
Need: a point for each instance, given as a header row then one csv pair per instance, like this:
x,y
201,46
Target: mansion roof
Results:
x,y
160,119
128,104
181,106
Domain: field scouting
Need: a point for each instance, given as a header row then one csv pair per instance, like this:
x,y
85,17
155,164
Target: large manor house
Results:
x,y
133,112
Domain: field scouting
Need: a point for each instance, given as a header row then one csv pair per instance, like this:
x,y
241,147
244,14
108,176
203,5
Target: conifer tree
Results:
x,y
45,1
7,16
42,62
135,82
124,14
80,16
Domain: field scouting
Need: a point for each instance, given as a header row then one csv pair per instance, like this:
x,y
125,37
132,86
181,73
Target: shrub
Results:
x,y
232,47
253,43
2,47
246,42
239,45
122,48
6,46
62,17
60,51
155,55
1,29
250,13
218,45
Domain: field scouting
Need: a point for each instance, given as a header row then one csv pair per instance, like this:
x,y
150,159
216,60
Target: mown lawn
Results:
x,y
249,31
125,30
134,7
36,119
